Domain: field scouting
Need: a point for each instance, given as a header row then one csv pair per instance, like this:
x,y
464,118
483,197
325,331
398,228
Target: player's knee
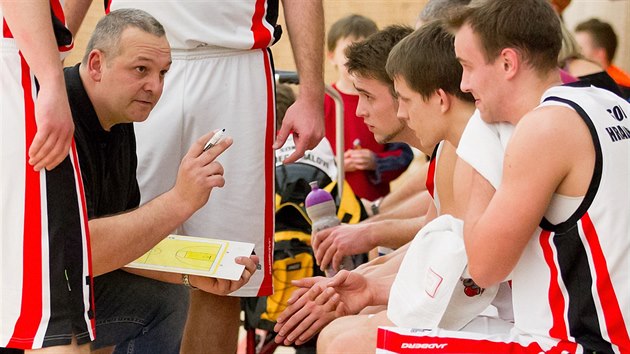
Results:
x,y
336,337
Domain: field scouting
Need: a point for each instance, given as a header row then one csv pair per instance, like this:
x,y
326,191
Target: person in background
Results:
x,y
575,68
369,164
598,42
438,9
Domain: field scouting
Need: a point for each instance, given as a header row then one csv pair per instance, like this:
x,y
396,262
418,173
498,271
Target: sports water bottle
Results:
x,y
322,211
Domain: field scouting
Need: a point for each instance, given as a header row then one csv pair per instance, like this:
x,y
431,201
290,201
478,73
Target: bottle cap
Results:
x,y
316,195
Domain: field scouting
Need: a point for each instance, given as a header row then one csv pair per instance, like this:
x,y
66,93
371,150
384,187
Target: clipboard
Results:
x,y
201,256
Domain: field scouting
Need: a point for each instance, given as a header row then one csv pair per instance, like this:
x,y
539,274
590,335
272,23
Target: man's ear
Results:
x,y
95,64
510,60
600,56
445,100
330,55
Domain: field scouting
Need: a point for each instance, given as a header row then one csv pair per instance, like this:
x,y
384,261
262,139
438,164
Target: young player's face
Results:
x,y
131,82
422,116
585,41
480,78
378,109
338,56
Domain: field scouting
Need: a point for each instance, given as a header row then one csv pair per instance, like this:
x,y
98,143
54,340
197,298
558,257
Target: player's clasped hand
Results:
x,y
359,160
311,307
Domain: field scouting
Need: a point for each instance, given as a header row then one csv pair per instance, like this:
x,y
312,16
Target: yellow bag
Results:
x,y
293,257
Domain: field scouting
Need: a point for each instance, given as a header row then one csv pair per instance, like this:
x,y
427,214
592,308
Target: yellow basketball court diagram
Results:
x,y
181,254
195,255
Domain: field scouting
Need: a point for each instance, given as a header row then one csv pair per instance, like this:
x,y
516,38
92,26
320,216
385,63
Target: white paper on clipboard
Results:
x,y
196,256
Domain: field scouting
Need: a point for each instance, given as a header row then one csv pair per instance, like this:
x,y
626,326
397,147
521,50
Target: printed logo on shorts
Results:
x,y
423,346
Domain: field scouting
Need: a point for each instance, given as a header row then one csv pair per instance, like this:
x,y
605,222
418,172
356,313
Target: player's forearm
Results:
x,y
31,25
119,239
413,185
481,262
414,206
379,288
385,269
381,260
305,24
395,233
75,11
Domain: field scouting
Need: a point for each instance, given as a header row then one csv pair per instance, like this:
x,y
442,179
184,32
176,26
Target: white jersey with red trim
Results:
x,y
63,36
45,262
234,24
573,280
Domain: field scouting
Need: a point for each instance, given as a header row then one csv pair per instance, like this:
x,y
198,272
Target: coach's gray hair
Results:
x,y
439,9
106,35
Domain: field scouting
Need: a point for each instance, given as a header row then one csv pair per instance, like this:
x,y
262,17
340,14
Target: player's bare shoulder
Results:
x,y
554,126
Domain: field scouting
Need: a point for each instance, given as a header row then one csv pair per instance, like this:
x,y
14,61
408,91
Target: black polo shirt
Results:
x,y
108,159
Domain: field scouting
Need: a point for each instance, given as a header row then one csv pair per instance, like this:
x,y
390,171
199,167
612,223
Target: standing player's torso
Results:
x,y
232,24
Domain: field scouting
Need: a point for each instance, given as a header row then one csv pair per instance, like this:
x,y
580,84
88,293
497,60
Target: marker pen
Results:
x,y
214,140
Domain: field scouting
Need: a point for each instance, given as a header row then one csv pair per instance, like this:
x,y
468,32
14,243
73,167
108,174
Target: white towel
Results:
x,y
428,291
482,146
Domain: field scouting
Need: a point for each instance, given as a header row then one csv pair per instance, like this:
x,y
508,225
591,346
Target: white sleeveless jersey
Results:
x,y
233,24
573,280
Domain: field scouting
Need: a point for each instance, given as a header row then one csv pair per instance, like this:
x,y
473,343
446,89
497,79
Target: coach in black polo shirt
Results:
x,y
118,83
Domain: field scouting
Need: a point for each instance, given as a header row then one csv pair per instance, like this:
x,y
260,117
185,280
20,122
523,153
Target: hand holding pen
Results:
x,y
214,140
199,170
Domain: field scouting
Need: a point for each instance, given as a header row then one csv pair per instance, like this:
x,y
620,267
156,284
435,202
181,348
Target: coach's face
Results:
x,y
130,81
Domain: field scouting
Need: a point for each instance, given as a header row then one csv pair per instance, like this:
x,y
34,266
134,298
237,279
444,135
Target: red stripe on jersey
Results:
x,y
615,325
79,179
266,287
6,32
57,10
262,36
31,310
403,344
108,4
430,183
556,298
